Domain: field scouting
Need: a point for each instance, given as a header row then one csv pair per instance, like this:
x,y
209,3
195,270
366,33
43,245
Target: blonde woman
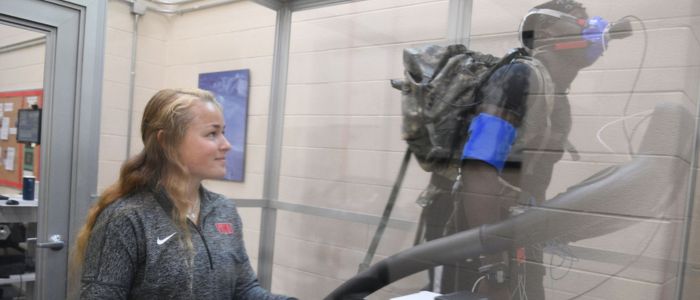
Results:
x,y
157,233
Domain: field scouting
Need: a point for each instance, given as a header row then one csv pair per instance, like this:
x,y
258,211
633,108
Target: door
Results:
x,y
69,125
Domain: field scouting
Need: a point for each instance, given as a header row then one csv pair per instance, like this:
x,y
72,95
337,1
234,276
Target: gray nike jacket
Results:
x,y
135,252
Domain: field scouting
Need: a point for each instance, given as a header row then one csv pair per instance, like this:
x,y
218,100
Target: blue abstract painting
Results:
x,y
231,91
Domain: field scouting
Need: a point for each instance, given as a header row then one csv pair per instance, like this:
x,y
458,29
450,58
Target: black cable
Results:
x,y
636,79
630,150
566,256
637,257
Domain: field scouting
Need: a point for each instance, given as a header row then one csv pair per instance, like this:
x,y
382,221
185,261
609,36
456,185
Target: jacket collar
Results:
x,y
206,204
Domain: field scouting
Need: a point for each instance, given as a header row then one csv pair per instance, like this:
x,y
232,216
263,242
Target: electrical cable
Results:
x,y
630,150
634,130
627,136
476,283
520,289
637,257
563,251
566,255
634,86
636,79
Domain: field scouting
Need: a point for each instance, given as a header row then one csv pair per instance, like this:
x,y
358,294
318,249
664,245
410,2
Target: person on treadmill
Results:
x,y
515,136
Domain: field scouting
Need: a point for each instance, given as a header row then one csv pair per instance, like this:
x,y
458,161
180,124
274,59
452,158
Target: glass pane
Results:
x,y
342,146
575,154
631,111
22,55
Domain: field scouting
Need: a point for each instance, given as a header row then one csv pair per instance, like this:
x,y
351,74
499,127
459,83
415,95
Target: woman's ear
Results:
x,y
160,136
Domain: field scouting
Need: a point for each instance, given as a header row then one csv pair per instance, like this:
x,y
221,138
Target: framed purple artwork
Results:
x,y
231,91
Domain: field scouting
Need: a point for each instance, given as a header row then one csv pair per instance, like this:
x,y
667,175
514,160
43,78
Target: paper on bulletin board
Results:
x,y
10,159
32,100
9,106
5,130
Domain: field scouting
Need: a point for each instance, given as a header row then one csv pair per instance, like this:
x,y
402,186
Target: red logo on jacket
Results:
x,y
224,228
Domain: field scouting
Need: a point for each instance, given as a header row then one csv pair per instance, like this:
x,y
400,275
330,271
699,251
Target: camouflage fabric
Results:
x,y
437,93
440,97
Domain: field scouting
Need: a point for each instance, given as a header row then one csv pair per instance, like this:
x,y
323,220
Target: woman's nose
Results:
x,y
226,146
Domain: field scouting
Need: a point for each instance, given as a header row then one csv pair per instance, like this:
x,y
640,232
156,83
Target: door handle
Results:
x,y
55,243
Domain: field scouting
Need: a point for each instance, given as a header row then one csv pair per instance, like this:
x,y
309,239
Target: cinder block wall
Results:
x,y
150,71
342,146
171,52
342,140
641,261
231,37
22,69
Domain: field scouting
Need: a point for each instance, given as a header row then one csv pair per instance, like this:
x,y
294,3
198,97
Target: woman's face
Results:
x,y
203,149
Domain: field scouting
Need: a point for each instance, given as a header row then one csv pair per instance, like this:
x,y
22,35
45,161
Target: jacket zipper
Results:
x,y
204,241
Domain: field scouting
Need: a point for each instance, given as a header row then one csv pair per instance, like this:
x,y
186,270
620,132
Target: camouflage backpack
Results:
x,y
439,97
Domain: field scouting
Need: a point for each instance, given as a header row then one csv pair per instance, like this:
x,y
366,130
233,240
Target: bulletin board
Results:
x,y
17,158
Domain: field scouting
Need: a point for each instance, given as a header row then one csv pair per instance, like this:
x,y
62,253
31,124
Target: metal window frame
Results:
x,y
458,31
72,87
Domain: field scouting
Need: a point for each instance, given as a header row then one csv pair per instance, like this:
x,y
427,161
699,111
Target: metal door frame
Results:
x,y
70,127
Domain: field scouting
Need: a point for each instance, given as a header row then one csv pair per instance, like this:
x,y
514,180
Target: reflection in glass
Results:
x,y
21,91
558,170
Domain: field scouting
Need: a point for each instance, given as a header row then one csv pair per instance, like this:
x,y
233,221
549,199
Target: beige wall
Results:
x,y
171,52
639,262
150,70
342,146
22,69
231,37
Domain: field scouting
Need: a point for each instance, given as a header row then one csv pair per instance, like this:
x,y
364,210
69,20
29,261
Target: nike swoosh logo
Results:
x,y
161,241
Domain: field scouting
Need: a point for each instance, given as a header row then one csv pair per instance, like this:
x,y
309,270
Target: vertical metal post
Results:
x,y
273,155
689,208
132,79
459,22
88,112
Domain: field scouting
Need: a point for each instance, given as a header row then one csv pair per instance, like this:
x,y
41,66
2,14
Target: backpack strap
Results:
x,y
512,55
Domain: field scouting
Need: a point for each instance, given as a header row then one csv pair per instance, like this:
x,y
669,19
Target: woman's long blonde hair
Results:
x,y
157,165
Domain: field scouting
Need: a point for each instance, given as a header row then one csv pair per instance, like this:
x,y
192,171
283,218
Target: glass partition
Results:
x,y
22,54
342,148
563,170
632,111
